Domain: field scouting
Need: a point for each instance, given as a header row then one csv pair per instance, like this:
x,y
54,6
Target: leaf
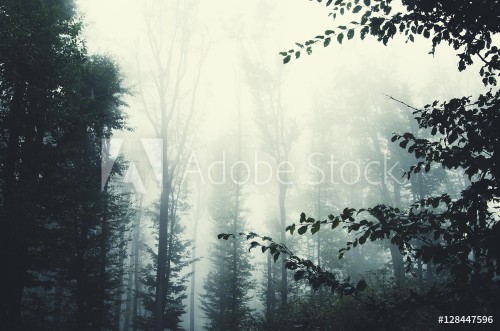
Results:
x,y
297,55
302,230
350,34
286,59
276,256
329,32
367,2
361,285
315,228
335,224
357,9
340,37
299,275
326,42
435,203
253,244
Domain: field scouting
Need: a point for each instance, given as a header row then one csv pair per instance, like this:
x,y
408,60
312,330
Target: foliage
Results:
x,y
466,26
62,251
228,284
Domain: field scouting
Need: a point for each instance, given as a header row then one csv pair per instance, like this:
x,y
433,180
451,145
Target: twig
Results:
x,y
401,102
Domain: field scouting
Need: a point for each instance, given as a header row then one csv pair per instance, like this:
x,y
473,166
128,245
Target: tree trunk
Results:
x,y
284,278
161,290
13,250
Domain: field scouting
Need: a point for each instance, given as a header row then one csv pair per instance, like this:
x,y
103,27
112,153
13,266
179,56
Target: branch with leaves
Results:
x,y
302,268
451,22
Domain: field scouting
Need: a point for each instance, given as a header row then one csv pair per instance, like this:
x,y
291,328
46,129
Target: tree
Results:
x,y
62,251
278,134
462,135
170,110
227,285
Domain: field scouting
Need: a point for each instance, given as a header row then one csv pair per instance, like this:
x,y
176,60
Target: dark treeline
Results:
x,y
63,239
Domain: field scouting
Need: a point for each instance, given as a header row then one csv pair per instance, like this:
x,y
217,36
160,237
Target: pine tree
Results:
x,y
228,283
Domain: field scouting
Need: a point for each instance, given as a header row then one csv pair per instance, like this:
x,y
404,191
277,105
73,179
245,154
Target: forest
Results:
x,y
236,165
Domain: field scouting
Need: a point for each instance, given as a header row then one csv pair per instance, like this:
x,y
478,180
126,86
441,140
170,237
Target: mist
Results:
x,y
198,169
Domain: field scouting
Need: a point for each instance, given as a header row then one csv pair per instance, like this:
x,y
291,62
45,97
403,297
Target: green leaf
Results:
x,y
350,34
340,37
328,32
302,230
326,42
297,55
286,59
361,285
435,203
367,2
315,228
357,9
253,244
276,256
335,224
299,275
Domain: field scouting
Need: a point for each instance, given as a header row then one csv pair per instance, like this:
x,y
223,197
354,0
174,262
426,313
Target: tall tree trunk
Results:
x,y
397,258
130,284
270,299
121,273
13,249
161,290
193,265
284,275
131,301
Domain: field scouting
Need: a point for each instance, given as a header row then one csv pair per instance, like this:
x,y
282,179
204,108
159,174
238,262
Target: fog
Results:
x,y
220,136
232,48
